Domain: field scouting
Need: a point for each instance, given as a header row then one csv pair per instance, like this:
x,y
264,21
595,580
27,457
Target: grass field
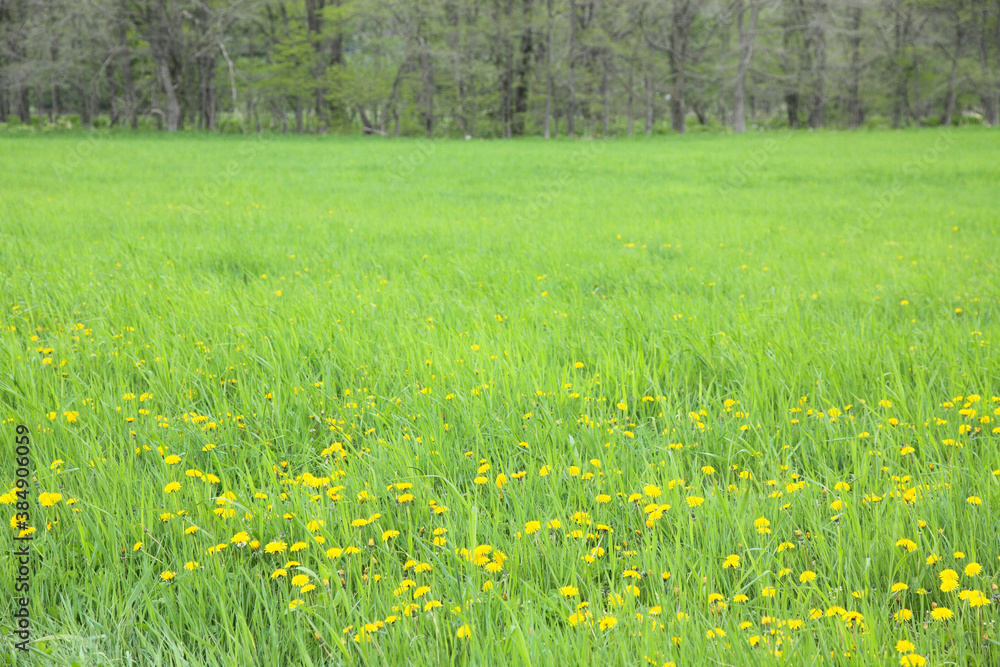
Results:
x,y
693,400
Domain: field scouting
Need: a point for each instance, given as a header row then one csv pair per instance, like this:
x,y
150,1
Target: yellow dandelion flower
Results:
x,y
942,614
49,499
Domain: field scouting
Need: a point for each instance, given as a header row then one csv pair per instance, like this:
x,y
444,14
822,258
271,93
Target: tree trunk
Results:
x,y
631,95
173,112
746,53
995,119
84,95
817,106
128,90
22,104
606,90
548,72
792,104
523,74
901,97
650,103
571,112
206,86
678,106
854,86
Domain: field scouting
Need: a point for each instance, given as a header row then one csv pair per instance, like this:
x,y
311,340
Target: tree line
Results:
x,y
498,68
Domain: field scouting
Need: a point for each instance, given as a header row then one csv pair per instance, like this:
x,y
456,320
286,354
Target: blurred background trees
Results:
x,y
500,68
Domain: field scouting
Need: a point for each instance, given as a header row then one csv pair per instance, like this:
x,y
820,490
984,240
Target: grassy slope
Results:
x,y
263,279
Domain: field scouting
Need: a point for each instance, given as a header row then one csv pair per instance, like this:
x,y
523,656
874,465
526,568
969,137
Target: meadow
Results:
x,y
680,401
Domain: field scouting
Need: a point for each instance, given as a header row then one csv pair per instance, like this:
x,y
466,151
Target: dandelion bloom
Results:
x,y
171,487
300,580
694,501
651,491
972,569
762,525
913,660
807,576
167,575
942,614
608,622
464,632
532,527
568,591
909,544
899,586
904,646
977,599
732,561
275,547
49,499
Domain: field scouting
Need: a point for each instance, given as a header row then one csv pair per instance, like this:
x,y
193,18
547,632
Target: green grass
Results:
x,y
430,307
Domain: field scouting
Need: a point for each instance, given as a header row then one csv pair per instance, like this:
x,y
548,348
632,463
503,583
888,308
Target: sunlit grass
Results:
x,y
616,364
